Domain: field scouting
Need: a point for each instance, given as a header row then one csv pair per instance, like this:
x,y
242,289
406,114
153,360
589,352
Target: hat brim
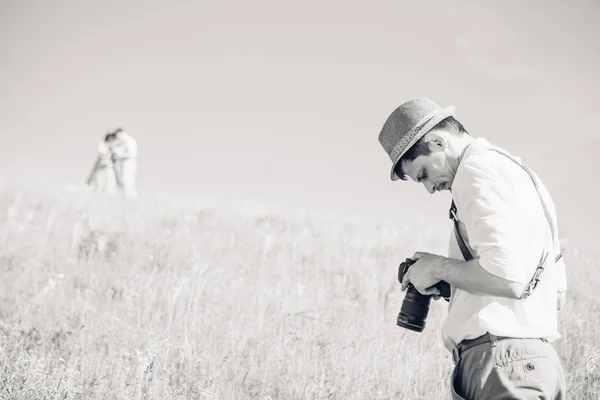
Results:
x,y
436,119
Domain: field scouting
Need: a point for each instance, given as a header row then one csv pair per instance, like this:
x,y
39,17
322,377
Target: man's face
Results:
x,y
433,171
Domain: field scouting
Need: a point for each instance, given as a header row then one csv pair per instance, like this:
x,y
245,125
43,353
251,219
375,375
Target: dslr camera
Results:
x,y
415,306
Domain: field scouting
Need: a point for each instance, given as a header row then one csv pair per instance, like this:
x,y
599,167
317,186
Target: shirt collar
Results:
x,y
476,146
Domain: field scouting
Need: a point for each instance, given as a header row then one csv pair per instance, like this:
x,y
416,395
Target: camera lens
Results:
x,y
414,310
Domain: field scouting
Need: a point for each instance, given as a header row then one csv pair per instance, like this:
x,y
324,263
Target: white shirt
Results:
x,y
124,146
504,226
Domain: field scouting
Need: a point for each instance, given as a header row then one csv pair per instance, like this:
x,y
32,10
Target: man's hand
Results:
x,y
423,273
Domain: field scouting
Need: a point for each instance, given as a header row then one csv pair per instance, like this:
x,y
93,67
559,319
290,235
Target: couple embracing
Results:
x,y
116,164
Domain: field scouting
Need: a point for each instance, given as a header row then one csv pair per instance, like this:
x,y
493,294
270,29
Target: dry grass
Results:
x,y
214,304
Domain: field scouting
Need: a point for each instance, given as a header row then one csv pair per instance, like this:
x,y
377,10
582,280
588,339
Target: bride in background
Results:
x,y
104,177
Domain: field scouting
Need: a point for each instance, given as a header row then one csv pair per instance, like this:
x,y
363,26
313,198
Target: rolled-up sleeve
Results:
x,y
492,210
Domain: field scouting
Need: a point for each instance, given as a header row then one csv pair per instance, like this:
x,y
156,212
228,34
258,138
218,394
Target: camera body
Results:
x,y
415,307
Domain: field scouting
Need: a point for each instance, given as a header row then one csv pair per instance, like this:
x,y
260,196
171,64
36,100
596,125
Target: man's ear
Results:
x,y
436,141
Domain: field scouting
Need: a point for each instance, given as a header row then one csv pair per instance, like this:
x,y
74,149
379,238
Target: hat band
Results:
x,y
411,137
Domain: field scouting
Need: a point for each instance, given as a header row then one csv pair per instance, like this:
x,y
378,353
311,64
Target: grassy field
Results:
x,y
107,300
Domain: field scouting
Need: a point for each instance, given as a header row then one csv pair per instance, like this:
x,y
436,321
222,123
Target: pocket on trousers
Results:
x,y
530,369
455,383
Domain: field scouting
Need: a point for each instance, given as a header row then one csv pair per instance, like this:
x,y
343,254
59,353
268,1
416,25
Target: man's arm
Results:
x,y
466,275
471,277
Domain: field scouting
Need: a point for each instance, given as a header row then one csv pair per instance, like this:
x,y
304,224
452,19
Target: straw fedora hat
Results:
x,y
409,123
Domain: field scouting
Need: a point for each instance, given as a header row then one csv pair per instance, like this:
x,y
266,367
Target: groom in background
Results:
x,y
124,154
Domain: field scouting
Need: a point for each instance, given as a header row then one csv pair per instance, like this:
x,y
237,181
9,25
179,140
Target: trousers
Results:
x,y
501,368
127,171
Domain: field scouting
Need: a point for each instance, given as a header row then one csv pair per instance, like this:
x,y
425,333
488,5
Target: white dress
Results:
x,y
104,180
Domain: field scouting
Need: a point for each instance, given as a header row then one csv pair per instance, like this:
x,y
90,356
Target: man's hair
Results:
x,y
421,148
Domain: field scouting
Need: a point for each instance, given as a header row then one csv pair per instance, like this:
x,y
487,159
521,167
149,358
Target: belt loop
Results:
x,y
493,340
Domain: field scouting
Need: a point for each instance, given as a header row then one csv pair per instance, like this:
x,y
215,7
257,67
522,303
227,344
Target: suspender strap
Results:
x,y
540,268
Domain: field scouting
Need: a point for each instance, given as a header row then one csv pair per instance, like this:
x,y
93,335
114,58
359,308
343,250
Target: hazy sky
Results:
x,y
282,102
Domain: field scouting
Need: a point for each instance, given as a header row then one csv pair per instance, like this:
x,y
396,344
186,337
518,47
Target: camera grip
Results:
x,y
442,286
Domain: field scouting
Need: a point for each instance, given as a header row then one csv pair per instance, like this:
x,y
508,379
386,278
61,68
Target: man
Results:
x,y
499,321
124,150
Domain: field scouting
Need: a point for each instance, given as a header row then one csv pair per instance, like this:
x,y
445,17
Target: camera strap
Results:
x,y
461,242
540,268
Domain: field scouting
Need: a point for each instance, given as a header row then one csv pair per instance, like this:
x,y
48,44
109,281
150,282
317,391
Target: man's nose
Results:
x,y
429,186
